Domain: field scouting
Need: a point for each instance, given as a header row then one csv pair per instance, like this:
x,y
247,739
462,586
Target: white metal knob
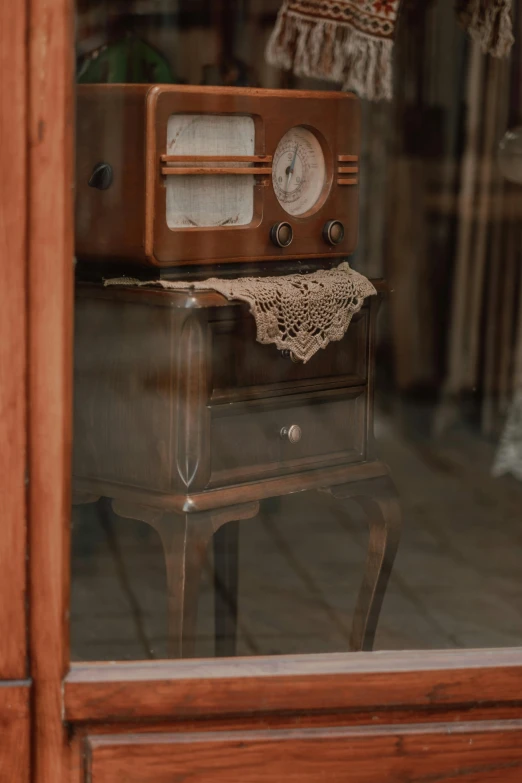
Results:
x,y
292,434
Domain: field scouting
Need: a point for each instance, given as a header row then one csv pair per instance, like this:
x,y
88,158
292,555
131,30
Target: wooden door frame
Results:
x,y
15,687
50,309
13,349
412,687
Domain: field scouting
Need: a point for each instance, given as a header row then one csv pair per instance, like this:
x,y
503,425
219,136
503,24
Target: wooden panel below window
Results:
x,y
463,753
14,732
13,338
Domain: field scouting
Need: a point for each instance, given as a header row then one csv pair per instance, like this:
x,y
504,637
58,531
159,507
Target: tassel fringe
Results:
x,y
332,51
489,23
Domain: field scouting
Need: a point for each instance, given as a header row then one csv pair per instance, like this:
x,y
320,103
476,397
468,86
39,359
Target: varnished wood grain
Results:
x,y
313,683
336,121
257,720
246,437
380,502
189,397
468,753
206,689
150,432
152,382
76,772
127,222
14,732
185,539
263,371
371,452
13,354
124,380
110,127
226,593
50,353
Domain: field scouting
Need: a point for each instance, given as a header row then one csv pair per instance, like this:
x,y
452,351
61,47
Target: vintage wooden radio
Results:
x,y
171,175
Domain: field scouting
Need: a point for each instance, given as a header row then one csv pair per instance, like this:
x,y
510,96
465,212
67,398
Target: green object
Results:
x,y
127,61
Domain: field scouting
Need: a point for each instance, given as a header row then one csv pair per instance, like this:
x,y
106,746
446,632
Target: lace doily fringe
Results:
x,y
300,313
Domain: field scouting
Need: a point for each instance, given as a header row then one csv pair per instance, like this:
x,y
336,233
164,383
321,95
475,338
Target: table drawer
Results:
x,y
253,439
262,369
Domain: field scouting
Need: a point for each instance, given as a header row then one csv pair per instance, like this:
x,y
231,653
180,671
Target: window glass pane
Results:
x,y
229,495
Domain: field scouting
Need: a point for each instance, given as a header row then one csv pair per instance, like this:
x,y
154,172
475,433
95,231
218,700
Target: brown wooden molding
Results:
x,y
192,462
15,751
50,303
230,496
216,158
199,171
439,752
312,683
128,221
13,339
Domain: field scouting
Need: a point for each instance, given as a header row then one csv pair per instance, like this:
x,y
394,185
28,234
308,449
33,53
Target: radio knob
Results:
x,y
333,232
281,234
101,176
292,434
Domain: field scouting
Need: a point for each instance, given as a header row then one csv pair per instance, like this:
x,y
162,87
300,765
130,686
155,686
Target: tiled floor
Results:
x,y
457,580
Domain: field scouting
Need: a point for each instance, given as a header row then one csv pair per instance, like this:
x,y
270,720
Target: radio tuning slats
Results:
x,y
216,159
187,165
213,171
343,170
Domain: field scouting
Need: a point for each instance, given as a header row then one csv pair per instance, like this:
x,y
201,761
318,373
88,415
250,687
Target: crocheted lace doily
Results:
x,y
296,313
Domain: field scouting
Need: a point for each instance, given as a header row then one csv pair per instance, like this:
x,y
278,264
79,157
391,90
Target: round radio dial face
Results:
x,y
299,171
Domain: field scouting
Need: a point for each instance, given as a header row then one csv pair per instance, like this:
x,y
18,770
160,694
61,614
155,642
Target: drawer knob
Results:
x,y
292,434
282,234
290,355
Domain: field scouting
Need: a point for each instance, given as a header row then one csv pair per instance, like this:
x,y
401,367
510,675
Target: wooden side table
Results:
x,y
187,423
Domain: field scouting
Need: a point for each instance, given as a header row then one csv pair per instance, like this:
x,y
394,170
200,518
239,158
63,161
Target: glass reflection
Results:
x,y
440,221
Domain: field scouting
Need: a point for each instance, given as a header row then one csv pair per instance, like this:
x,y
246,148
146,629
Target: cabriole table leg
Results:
x,y
378,498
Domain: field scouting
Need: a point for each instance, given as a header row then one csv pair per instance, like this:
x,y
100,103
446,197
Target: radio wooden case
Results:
x,y
124,172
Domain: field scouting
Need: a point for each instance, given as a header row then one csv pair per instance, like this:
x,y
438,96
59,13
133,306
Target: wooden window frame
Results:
x,y
419,686
13,348
436,681
15,687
